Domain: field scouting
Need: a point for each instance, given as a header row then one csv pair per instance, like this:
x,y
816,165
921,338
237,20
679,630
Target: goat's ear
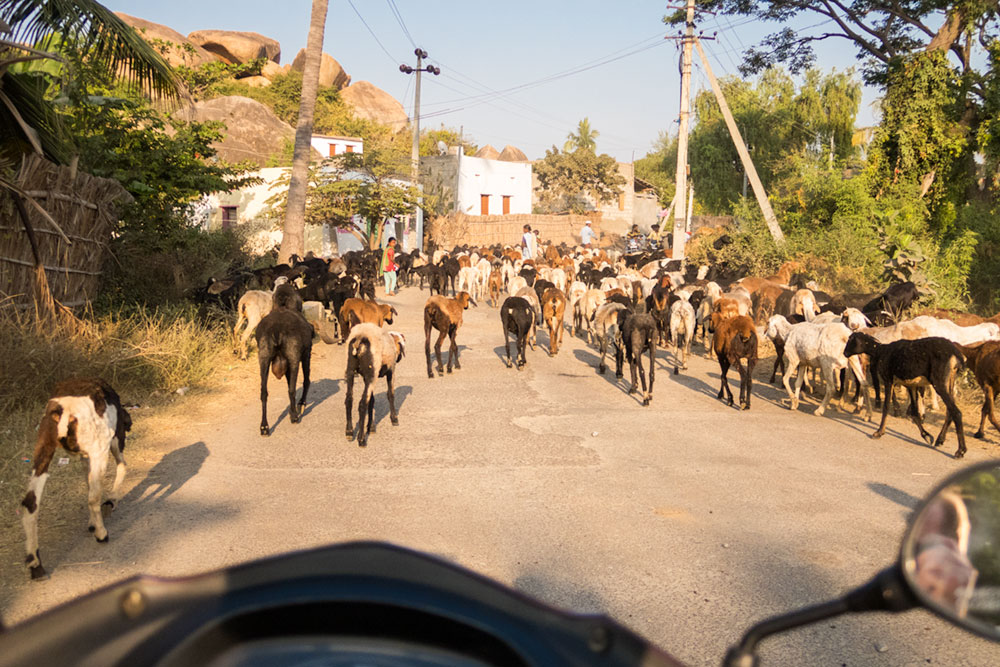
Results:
x,y
393,311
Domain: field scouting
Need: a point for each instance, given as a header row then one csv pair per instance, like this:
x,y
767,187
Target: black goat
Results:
x,y
894,300
284,341
914,364
517,317
638,336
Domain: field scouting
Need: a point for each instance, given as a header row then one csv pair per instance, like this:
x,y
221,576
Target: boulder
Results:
x,y
271,69
252,131
236,47
330,71
256,81
178,49
368,101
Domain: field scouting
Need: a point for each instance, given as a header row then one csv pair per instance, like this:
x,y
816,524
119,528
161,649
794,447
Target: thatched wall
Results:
x,y
82,207
480,230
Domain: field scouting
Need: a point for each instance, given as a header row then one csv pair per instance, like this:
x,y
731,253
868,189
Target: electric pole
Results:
x,y
415,152
680,213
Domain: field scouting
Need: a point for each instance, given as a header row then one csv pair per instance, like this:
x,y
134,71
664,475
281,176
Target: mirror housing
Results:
x,y
950,556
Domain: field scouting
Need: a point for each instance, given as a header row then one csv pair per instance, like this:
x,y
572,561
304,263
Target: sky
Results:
x,y
518,72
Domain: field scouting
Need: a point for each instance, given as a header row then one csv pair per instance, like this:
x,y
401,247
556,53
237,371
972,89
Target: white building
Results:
x,y
331,146
478,186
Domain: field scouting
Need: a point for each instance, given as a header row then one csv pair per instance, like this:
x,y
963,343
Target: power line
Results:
x,y
377,40
399,19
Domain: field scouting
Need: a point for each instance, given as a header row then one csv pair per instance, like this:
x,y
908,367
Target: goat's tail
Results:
x,y
279,366
359,346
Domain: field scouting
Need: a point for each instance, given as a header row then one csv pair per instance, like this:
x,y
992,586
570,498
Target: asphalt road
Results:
x,y
686,520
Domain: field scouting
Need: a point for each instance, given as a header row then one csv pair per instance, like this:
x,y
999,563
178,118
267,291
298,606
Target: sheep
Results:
x,y
284,342
371,352
984,361
445,315
735,339
356,311
606,322
931,361
517,317
681,329
84,416
804,304
252,307
553,312
468,281
577,290
558,278
584,309
809,345
638,334
516,284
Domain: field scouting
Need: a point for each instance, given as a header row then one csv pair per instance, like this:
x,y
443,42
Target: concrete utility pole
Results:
x,y
680,181
415,152
751,171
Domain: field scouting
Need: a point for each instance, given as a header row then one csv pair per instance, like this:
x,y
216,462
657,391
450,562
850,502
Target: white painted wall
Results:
x,y
479,176
322,144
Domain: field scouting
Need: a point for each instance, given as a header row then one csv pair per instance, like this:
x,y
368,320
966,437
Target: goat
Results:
x,y
984,361
584,309
284,342
445,315
516,284
495,288
681,328
517,317
371,352
356,311
553,312
468,281
735,339
606,322
917,363
83,416
638,334
252,307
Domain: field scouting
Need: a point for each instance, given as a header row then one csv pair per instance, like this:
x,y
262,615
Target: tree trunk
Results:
x,y
293,235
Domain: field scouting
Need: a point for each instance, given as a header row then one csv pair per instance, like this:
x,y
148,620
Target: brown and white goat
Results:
x,y
355,311
83,416
553,313
445,315
371,353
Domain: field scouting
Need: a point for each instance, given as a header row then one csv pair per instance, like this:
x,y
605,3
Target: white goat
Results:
x,y
681,328
804,304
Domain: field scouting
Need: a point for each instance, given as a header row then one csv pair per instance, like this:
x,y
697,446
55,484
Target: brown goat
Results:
x,y
781,278
355,311
464,261
984,361
736,339
495,288
553,311
445,315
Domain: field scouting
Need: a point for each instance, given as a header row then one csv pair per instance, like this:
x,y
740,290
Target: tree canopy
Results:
x,y
585,137
567,179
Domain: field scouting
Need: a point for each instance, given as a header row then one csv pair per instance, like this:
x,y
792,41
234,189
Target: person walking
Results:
x,y
389,267
587,235
528,243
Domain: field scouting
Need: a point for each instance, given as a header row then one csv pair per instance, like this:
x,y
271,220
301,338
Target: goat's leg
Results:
x,y
779,359
987,412
601,367
292,375
634,360
724,366
437,353
349,400
786,380
453,348
914,413
859,376
306,360
363,428
889,385
946,390
506,343
427,349
390,393
749,384
371,408
98,464
619,357
264,363
522,342
31,503
652,371
828,389
115,494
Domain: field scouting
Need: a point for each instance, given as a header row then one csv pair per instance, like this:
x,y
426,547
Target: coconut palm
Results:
x,y
293,234
28,122
585,138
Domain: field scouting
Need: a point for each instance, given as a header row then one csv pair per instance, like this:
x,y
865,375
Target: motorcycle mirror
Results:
x,y
950,556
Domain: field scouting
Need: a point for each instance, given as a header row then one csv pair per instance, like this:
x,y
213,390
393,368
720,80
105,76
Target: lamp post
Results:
x,y
415,152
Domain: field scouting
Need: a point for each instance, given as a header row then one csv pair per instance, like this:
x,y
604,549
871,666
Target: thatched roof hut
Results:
x,y
487,152
512,154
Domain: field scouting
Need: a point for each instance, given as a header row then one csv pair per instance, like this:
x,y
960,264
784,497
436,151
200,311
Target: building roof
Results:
x,y
327,136
512,154
487,152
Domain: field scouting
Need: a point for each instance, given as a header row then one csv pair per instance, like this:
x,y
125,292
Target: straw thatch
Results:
x,y
487,152
71,241
481,230
512,154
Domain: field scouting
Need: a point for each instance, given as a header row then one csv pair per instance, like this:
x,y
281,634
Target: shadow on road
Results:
x,y
168,475
318,392
559,592
897,496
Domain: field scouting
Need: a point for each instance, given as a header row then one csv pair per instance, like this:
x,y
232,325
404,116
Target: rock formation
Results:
x,y
236,47
330,71
176,49
373,103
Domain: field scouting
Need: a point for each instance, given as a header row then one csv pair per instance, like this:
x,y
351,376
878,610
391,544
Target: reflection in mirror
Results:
x,y
952,554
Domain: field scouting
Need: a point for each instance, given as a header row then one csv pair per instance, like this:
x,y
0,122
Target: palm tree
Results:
x,y
584,137
293,235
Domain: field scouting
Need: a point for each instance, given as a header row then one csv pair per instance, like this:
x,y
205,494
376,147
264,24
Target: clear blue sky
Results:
x,y
485,47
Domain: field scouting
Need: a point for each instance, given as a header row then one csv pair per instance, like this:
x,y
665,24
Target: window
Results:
x,y
228,216
506,204
484,204
333,149
349,148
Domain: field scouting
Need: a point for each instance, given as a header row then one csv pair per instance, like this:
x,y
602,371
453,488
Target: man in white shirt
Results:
x,y
587,235
528,243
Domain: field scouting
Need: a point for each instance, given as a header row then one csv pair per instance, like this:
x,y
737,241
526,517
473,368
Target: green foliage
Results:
x,y
429,141
659,166
567,179
208,75
585,137
983,220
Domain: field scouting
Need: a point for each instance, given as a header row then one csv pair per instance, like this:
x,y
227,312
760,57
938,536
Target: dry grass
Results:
x,y
143,354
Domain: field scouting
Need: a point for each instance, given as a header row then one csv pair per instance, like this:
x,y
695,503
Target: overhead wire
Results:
x,y
372,32
399,19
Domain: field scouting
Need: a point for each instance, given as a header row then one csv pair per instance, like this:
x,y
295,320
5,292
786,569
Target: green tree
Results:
x,y
574,181
293,235
659,167
585,137
429,141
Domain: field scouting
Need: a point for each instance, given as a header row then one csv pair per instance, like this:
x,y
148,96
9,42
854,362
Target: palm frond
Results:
x,y
23,105
105,38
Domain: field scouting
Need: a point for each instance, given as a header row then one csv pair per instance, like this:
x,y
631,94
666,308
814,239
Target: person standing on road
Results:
x,y
587,235
528,243
389,267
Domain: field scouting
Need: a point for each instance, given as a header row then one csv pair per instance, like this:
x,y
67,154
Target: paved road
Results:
x,y
686,520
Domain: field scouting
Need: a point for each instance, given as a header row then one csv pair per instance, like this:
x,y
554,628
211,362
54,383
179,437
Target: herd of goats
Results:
x,y
631,303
